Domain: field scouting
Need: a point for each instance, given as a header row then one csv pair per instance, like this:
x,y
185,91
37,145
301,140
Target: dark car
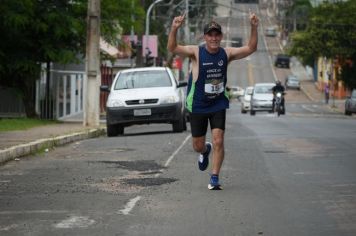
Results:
x,y
350,104
271,31
282,60
236,42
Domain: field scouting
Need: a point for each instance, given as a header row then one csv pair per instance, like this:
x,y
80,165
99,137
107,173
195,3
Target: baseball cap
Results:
x,y
212,25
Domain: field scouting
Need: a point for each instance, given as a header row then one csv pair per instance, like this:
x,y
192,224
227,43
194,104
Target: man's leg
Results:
x,y
199,144
218,150
217,123
199,126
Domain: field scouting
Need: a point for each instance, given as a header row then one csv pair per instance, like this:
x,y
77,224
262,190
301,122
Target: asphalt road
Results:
x,y
290,175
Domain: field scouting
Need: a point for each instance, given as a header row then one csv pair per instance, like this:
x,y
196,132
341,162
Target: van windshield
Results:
x,y
143,79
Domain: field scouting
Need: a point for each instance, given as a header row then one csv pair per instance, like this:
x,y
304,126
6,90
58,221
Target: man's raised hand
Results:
x,y
178,21
253,18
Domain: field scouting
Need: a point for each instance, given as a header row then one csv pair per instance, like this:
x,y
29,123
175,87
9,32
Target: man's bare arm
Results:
x,y
172,44
241,52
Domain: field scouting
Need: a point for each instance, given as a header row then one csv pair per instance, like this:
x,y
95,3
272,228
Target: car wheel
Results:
x,y
111,130
252,113
243,111
348,113
120,129
178,126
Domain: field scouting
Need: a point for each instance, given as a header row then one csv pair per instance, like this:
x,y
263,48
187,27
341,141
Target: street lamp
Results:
x,y
148,16
148,20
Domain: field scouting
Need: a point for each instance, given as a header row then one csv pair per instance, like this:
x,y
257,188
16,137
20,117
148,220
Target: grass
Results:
x,y
22,123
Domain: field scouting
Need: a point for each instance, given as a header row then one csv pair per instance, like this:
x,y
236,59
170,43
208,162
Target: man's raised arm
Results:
x,y
244,51
172,45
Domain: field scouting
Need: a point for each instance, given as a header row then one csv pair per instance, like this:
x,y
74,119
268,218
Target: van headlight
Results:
x,y
169,99
115,103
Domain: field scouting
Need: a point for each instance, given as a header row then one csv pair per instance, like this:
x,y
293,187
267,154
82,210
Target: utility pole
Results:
x,y
187,40
92,67
186,28
132,33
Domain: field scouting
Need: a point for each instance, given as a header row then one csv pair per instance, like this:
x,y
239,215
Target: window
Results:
x,y
143,79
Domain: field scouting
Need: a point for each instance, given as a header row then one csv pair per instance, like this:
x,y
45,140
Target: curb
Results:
x,y
12,153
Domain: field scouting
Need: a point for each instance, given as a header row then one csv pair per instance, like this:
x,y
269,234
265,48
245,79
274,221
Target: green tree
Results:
x,y
298,13
37,31
331,33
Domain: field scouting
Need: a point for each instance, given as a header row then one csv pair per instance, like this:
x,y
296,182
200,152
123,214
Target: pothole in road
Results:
x,y
142,173
142,165
275,151
145,182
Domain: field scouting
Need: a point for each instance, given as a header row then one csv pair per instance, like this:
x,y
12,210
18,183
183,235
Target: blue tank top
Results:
x,y
207,94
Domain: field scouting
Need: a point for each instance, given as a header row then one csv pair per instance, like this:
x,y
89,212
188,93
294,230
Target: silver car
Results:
x,y
350,104
236,91
246,99
292,82
262,98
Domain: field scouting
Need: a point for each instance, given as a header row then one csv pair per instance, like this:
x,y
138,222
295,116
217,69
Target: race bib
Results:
x,y
214,83
214,88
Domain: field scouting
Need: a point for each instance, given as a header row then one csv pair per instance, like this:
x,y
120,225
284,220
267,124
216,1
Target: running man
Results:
x,y
207,98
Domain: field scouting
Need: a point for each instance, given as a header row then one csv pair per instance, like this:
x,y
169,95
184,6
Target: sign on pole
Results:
x,y
150,43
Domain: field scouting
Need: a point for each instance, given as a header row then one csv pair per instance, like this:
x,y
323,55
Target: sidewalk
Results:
x,y
308,86
15,144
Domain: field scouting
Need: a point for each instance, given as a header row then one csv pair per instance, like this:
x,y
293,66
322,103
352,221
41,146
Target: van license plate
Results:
x,y
142,112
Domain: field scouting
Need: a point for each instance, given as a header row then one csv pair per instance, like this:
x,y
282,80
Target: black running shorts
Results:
x,y
199,122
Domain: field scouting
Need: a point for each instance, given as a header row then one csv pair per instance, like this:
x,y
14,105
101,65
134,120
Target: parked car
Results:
x,y
350,103
246,99
144,96
292,82
236,91
262,98
271,31
282,60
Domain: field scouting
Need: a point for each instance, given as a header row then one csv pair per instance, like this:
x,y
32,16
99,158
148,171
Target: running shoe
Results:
x,y
214,183
203,161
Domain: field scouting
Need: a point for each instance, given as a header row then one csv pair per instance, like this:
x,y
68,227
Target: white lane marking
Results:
x,y
176,151
267,49
8,227
75,222
130,205
305,107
